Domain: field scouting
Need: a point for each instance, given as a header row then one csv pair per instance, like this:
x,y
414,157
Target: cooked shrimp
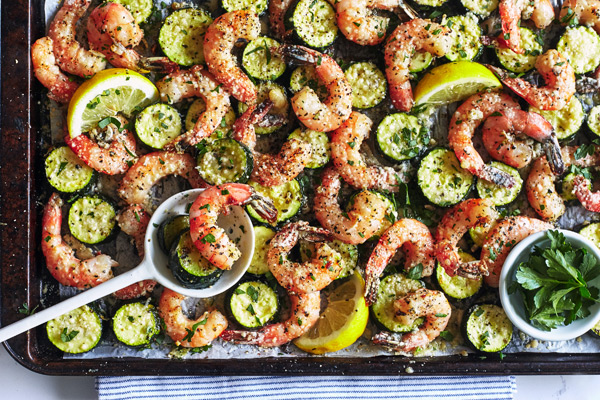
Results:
x,y
133,221
581,12
211,240
67,269
558,75
110,150
70,54
277,10
430,304
358,23
336,108
416,240
309,276
271,169
151,168
408,38
219,40
455,223
46,70
541,12
304,312
467,117
345,153
501,144
187,332
589,200
362,220
195,82
501,240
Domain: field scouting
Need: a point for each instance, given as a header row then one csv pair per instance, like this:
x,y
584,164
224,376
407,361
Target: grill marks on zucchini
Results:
x,y
225,160
157,125
92,219
75,332
66,172
181,37
135,324
313,22
253,304
401,137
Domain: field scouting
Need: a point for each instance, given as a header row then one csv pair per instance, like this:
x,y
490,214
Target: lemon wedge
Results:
x,y
109,92
454,81
341,323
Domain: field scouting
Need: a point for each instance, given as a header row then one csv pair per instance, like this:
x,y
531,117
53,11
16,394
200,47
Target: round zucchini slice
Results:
x,y
288,199
313,22
441,178
181,37
420,61
135,324
225,160
401,137
479,232
258,6
593,120
500,195
369,85
280,111
596,329
487,328
520,63
260,61
139,9
581,46
481,7
170,229
567,186
458,287
66,172
262,238
349,253
157,125
319,142
430,3
92,219
466,34
253,304
224,129
566,121
75,332
391,288
305,75
592,232
189,267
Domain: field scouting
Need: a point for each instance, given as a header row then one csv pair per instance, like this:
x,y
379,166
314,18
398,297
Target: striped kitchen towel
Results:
x,y
306,387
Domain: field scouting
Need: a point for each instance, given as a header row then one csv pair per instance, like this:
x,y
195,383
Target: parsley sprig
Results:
x,y
556,283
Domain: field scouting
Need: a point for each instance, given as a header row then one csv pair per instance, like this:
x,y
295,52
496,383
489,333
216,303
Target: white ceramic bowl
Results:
x,y
513,303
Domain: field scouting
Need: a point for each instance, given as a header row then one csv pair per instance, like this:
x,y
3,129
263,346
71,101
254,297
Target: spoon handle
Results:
x,y
135,275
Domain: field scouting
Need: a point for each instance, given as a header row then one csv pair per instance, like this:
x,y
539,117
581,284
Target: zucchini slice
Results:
x,y
225,160
349,253
593,120
170,229
92,219
441,178
567,186
313,22
592,232
320,145
189,267
430,3
520,63
500,195
581,46
77,331
181,37
487,328
596,329
66,172
566,121
458,287
253,304
140,9
225,128
420,61
401,137
135,324
305,75
391,288
262,238
260,61
258,6
157,125
288,199
369,85
481,7
466,34
479,232
280,111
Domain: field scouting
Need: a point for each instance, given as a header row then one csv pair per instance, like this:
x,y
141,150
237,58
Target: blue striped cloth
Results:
x,y
306,387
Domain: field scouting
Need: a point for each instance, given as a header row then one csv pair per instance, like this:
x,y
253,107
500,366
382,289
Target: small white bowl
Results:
x,y
513,303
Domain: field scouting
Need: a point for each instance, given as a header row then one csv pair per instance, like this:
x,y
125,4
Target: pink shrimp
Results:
x,y
359,24
581,12
511,11
46,70
67,269
277,10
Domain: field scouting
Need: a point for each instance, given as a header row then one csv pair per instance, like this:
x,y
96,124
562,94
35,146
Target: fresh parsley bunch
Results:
x,y
556,283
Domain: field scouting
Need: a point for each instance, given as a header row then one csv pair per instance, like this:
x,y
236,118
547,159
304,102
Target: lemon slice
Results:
x,y
341,323
108,93
454,81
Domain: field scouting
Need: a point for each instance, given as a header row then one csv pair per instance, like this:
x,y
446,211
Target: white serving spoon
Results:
x,y
154,265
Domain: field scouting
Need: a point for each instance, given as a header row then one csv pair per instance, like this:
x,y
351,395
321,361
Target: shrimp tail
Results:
x,y
371,286
408,10
389,339
296,55
157,64
240,337
472,270
497,176
312,234
264,207
554,155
